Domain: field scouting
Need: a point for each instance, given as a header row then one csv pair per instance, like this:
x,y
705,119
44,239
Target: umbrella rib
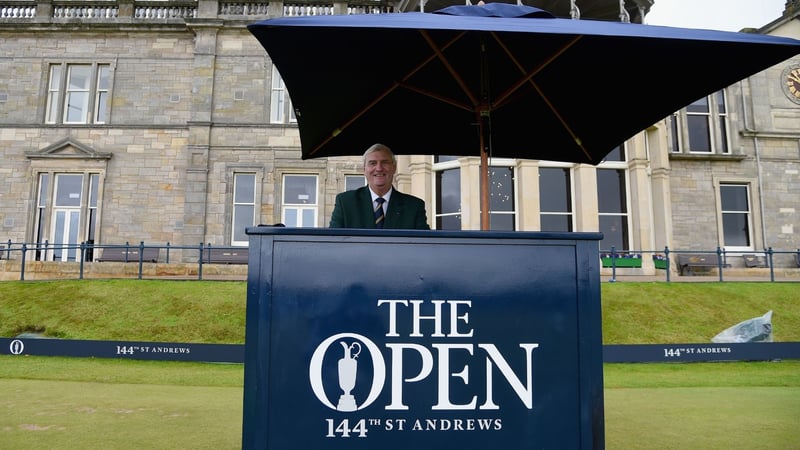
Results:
x,y
528,78
435,96
377,99
449,67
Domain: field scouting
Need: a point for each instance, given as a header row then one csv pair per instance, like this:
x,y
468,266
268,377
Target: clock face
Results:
x,y
791,80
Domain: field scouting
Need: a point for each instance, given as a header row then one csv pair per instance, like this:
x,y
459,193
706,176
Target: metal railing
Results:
x,y
84,253
662,260
200,255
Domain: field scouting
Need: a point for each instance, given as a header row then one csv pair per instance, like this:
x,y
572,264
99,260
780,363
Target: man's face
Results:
x,y
379,171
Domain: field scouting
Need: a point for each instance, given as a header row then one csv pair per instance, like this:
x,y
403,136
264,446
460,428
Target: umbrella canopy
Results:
x,y
497,80
548,88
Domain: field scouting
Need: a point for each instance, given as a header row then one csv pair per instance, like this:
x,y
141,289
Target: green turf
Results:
x,y
129,310
89,415
75,403
79,403
214,311
706,418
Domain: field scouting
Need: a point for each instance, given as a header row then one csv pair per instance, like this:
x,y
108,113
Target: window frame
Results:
x,y
717,127
234,203
514,212
620,165
466,166
300,208
46,210
96,104
281,110
570,213
449,163
351,181
751,214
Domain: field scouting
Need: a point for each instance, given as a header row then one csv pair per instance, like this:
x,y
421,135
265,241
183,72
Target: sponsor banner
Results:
x,y
756,351
234,353
162,351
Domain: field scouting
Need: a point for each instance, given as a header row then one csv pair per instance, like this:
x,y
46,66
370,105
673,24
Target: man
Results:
x,y
378,205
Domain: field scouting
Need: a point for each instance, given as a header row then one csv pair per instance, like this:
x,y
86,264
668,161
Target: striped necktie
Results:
x,y
379,212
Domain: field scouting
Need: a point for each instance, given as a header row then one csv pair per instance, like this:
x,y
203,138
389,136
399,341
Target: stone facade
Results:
x,y
190,106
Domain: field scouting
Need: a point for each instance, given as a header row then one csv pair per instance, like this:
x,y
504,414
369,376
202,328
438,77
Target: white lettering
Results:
x,y
455,310
525,393
454,317
397,371
436,317
392,315
444,376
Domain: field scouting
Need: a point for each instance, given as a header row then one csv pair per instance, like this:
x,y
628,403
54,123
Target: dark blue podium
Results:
x,y
389,339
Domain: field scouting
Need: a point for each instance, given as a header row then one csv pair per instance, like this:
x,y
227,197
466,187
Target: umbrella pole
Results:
x,y
484,179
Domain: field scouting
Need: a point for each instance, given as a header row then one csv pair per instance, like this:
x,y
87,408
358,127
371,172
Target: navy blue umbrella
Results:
x,y
497,80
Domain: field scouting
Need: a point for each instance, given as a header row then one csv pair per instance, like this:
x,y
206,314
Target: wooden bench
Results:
x,y
755,261
225,256
128,254
689,262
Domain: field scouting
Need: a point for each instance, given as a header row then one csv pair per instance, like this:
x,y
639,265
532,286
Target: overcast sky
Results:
x,y
726,15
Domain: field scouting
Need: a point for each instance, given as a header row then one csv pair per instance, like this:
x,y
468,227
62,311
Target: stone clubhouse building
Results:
x,y
165,122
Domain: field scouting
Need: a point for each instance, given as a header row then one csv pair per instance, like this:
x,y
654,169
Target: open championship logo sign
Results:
x,y
444,358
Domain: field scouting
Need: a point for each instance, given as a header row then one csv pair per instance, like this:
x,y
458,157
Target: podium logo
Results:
x,y
442,361
351,346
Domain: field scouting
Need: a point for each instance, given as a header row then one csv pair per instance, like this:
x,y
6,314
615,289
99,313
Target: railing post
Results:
x,y
769,261
141,258
200,264
8,252
720,254
22,262
613,265
666,254
83,249
167,250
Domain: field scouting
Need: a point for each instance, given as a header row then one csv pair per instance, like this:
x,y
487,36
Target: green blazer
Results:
x,y
353,209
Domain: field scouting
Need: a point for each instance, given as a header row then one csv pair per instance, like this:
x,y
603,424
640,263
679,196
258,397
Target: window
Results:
x,y
447,174
299,201
674,132
91,226
702,127
244,207
41,214
78,93
352,182
736,216
555,199
613,209
101,96
66,215
502,200
280,104
502,211
612,201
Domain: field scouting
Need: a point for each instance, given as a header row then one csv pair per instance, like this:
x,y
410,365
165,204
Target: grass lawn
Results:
x,y
76,403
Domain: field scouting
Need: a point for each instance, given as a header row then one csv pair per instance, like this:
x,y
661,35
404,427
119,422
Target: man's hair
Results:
x,y
376,148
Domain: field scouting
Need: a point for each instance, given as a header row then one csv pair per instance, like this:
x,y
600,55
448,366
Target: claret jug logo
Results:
x,y
441,351
351,346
